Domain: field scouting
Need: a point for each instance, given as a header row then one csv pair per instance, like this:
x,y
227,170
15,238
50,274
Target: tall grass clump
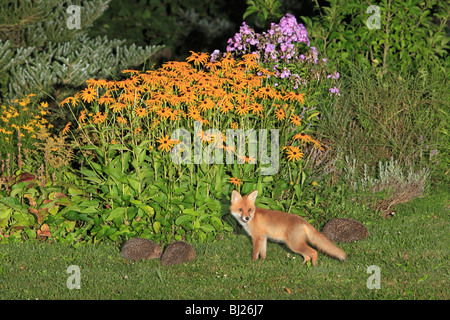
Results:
x,y
376,119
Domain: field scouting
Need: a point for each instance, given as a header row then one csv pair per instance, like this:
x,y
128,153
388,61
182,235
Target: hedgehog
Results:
x,y
141,249
344,230
178,252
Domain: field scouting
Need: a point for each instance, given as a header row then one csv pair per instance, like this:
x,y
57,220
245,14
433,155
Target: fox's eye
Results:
x,y
240,209
249,210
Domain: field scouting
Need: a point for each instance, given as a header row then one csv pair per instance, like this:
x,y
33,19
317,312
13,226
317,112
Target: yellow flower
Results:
x,y
293,153
140,112
121,120
280,114
303,137
99,117
296,120
242,109
88,94
98,83
257,108
198,58
294,96
66,128
130,71
165,143
72,100
28,127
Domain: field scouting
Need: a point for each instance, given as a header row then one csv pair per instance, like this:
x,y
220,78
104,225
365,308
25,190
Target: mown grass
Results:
x,y
411,250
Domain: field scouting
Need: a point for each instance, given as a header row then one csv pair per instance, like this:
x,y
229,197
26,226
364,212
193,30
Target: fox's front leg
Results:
x,y
259,247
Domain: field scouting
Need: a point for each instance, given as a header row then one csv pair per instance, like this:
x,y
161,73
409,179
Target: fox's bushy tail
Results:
x,y
321,243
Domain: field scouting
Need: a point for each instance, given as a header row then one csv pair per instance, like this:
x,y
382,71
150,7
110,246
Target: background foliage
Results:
x,y
39,54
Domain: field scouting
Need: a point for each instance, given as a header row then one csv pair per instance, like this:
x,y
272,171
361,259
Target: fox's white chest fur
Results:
x,y
245,225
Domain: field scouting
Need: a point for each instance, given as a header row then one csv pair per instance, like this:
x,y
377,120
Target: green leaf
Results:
x,y
156,226
191,212
250,10
5,214
183,219
134,183
72,215
116,213
14,204
207,228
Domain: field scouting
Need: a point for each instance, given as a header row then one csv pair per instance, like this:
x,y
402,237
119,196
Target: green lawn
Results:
x,y
410,249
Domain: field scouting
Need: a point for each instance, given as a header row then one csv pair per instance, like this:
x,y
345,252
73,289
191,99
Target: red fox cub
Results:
x,y
291,229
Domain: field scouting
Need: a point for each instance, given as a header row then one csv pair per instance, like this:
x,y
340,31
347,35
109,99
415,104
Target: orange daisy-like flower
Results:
x,y
198,58
296,120
317,145
239,85
165,143
99,117
194,114
73,101
88,94
121,120
257,108
66,128
293,153
242,109
97,83
266,92
118,106
280,114
245,159
130,71
212,66
164,113
294,96
129,96
235,181
303,137
82,117
226,106
140,112
106,99
163,96
170,65
206,104
250,61
227,61
174,114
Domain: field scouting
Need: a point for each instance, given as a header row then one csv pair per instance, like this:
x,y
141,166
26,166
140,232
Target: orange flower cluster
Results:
x,y
223,94
21,116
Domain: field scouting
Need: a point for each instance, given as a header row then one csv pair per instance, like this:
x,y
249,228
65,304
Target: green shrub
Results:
x,y
410,35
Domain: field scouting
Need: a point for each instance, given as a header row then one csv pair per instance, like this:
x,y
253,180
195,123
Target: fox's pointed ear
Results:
x,y
252,196
235,196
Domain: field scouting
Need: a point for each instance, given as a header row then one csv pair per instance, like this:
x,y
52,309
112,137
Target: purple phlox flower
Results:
x,y
214,55
286,73
269,47
335,91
